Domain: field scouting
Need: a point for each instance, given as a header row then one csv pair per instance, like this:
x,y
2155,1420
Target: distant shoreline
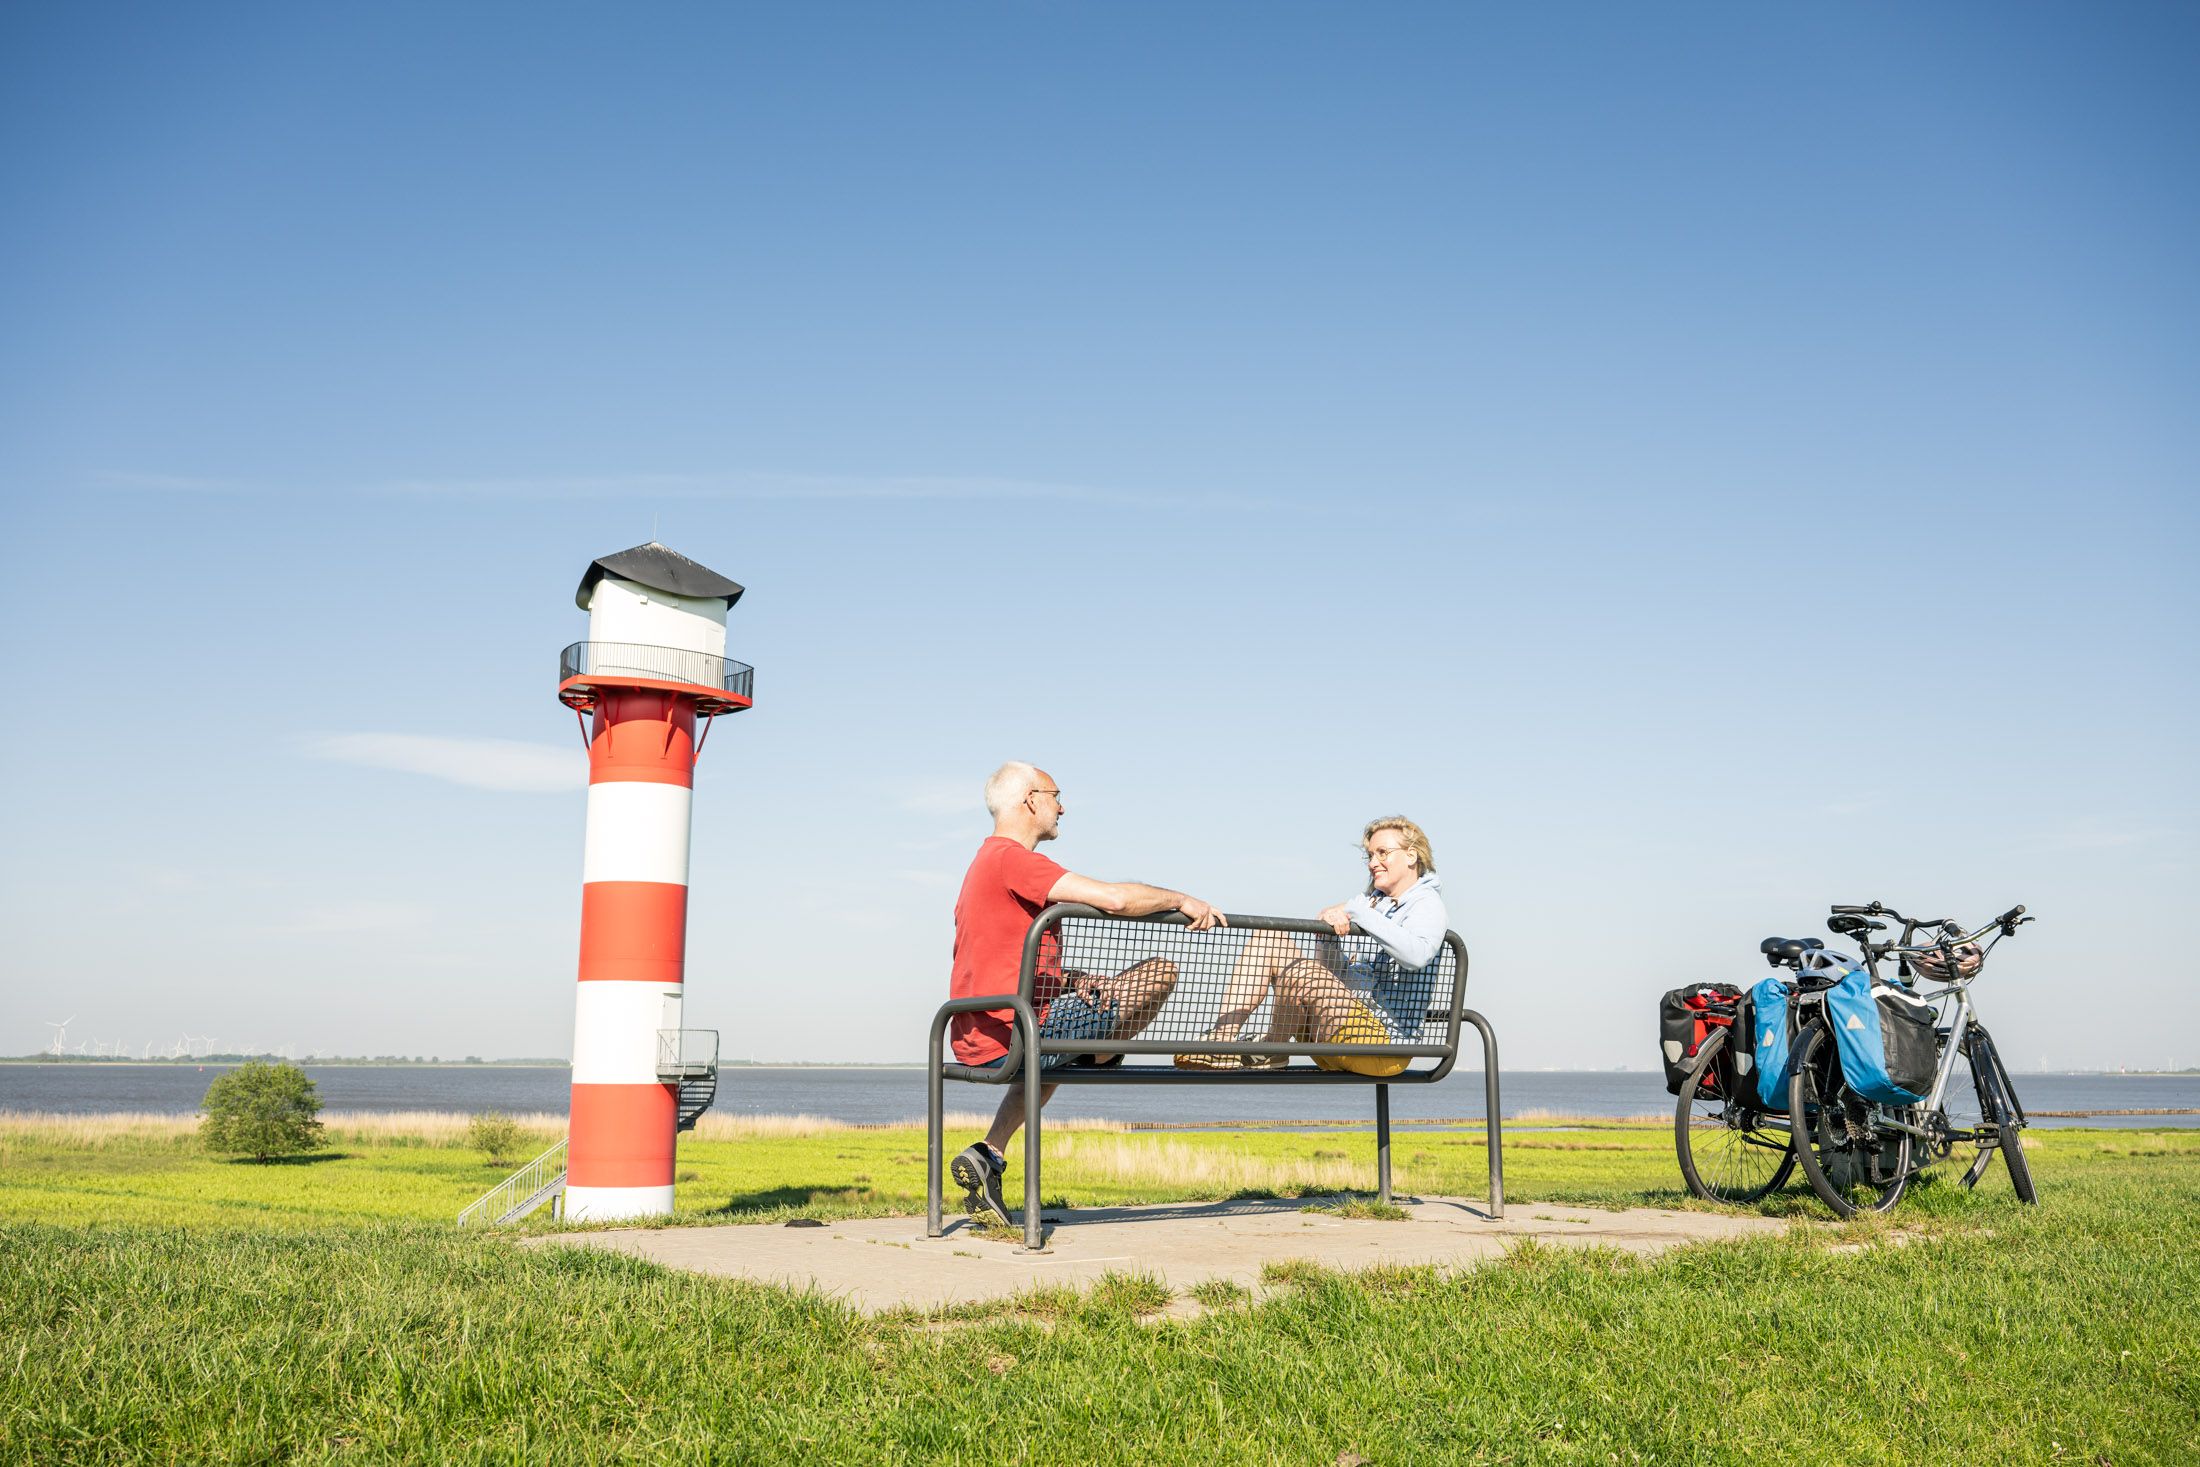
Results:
x,y
110,1062
94,1061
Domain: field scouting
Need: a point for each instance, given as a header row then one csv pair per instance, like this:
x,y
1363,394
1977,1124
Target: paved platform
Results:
x,y
876,1264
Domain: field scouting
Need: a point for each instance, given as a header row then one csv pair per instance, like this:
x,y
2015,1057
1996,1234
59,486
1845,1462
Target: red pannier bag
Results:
x,y
1686,1018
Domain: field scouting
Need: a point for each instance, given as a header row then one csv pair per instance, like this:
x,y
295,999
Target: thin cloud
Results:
x,y
941,797
509,765
168,483
347,917
815,488
759,486
2088,836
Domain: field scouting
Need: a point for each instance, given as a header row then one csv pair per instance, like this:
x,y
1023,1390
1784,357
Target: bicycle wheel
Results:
x,y
1970,1110
1850,1167
1727,1153
2008,1115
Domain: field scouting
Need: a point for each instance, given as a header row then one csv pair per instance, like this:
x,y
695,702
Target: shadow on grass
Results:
x,y
309,1158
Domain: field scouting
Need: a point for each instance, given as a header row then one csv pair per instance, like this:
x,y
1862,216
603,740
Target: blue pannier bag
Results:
x,y
1886,1035
1761,1064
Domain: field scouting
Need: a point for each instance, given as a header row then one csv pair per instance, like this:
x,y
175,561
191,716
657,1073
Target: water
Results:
x,y
886,1096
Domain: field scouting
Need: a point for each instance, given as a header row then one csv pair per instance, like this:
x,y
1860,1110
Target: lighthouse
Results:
x,y
652,674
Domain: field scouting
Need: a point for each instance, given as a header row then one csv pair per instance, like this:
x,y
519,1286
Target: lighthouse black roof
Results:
x,y
660,569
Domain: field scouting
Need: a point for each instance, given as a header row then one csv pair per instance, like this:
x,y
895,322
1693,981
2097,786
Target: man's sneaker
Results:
x,y
978,1171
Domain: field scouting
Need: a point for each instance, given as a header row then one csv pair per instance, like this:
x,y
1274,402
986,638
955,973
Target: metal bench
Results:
x,y
1200,964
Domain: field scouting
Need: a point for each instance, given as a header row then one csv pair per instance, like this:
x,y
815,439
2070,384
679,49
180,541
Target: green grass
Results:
x,y
1368,1209
258,1328
157,1174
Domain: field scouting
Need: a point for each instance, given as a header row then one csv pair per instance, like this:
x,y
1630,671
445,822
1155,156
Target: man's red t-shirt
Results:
x,y
1004,889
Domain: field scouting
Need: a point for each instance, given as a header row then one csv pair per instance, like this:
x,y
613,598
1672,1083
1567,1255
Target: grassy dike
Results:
x,y
159,1305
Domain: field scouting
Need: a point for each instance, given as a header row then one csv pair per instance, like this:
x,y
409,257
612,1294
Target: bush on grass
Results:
x,y
262,1111
495,1135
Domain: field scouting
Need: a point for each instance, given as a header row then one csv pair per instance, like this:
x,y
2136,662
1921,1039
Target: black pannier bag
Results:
x,y
1686,1018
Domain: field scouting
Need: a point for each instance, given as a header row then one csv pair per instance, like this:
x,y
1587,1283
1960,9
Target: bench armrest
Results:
x,y
1025,1022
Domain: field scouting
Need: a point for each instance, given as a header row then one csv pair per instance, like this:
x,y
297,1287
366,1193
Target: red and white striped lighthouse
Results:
x,y
652,671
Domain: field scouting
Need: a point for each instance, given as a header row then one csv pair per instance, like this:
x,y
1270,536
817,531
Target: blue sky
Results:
x,y
1703,463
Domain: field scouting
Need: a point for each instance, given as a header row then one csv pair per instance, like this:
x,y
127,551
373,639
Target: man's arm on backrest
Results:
x,y
1132,899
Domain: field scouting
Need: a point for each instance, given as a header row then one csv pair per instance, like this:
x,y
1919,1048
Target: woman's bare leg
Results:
x,y
1311,1002
1264,957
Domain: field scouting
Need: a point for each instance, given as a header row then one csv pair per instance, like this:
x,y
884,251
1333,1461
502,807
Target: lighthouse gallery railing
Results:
x,y
670,664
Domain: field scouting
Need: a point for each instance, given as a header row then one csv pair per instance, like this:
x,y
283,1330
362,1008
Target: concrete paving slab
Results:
x,y
876,1264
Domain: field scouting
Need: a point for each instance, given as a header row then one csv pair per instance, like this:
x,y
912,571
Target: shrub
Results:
x,y
262,1111
495,1135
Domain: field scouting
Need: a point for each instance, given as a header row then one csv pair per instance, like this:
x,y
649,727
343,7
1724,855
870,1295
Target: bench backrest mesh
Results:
x,y
1204,961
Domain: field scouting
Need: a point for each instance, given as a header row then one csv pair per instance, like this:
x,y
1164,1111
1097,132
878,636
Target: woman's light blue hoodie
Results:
x,y
1409,932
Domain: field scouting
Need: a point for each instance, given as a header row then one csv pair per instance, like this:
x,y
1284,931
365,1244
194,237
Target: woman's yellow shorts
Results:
x,y
1361,1028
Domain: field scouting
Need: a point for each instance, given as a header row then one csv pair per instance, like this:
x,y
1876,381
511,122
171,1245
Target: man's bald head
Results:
x,y
1009,785
1024,803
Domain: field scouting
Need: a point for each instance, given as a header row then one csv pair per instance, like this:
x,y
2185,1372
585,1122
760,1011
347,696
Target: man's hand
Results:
x,y
1202,916
1338,917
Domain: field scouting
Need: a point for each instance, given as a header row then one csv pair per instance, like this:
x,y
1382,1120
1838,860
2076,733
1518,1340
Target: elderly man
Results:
x,y
1008,884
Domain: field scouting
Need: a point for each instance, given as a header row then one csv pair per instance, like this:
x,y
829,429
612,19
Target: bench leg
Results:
x,y
1382,1144
934,1117
1034,1230
1493,1112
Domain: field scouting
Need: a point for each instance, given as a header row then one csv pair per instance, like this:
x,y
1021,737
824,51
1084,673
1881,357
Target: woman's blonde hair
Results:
x,y
1416,839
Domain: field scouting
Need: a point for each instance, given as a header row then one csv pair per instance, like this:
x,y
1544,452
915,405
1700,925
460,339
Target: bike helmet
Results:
x,y
1970,957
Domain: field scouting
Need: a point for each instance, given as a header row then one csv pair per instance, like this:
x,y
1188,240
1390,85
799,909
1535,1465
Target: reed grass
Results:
x,y
447,1128
1194,1169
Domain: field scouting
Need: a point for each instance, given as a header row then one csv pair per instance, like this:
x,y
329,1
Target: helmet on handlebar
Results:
x,y
1970,957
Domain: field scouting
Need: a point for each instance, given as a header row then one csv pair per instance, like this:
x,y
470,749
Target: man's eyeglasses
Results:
x,y
1056,793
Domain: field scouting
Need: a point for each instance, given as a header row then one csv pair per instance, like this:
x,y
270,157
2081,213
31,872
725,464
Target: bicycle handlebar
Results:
x,y
1951,936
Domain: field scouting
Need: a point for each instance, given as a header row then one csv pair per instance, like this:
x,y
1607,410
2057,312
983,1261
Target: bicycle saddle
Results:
x,y
1787,952
1851,926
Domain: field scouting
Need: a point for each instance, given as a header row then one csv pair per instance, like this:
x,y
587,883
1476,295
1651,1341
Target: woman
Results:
x,y
1319,995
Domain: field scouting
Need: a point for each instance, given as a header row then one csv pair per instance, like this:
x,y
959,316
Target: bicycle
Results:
x,y
1860,1155
1732,1147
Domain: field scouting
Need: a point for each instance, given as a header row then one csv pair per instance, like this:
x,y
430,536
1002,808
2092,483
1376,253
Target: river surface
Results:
x,y
887,1096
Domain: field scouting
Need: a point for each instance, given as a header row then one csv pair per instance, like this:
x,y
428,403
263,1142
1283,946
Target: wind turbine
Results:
x,y
59,1030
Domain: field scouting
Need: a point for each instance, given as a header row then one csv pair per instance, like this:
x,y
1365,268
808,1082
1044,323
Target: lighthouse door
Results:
x,y
668,1031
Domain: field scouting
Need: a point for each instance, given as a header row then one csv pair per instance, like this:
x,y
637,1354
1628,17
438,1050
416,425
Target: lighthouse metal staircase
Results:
x,y
687,1058
541,1180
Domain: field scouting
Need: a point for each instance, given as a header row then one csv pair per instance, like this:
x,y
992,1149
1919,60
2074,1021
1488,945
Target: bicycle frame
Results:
x,y
1954,1031
1951,1053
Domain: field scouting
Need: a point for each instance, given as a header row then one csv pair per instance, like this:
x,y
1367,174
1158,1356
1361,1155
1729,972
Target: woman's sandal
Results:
x,y
1212,1061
